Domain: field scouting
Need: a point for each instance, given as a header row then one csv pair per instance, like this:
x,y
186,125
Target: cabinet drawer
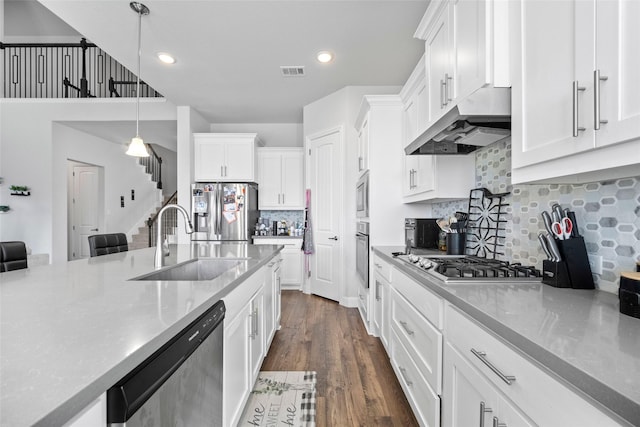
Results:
x,y
363,303
422,340
382,268
530,380
424,401
428,304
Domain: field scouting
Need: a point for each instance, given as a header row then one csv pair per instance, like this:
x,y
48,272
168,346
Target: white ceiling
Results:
x,y
229,52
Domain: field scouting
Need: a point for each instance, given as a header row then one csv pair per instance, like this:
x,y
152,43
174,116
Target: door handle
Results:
x,y
483,410
597,78
94,229
576,127
333,238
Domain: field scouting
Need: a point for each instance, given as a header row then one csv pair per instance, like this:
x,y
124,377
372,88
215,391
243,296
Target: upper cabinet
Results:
x,y
281,178
363,146
227,157
466,48
576,92
425,177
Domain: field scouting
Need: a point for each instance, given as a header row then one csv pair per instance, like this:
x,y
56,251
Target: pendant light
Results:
x,y
136,146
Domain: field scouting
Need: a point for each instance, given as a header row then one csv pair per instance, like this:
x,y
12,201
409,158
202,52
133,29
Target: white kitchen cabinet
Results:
x,y
272,300
291,266
382,300
466,48
472,352
244,347
575,90
228,157
471,400
281,178
93,415
363,146
429,178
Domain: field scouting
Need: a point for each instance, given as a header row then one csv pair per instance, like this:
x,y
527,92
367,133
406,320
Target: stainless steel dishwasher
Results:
x,y
179,385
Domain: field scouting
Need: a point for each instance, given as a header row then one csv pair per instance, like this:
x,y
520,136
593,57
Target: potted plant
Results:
x,y
19,190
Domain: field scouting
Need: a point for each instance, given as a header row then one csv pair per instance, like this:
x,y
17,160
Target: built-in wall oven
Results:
x,y
362,196
362,253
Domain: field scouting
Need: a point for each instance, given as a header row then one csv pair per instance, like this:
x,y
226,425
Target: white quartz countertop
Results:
x,y
578,336
70,331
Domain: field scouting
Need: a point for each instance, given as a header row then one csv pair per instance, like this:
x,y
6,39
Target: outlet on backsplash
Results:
x,y
595,262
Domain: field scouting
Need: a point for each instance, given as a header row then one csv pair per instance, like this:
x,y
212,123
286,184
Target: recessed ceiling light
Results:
x,y
325,56
166,58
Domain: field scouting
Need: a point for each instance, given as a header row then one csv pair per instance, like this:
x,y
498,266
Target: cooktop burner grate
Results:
x,y
486,226
472,267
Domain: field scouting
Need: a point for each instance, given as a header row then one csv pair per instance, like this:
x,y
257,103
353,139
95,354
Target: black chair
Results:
x,y
13,256
104,244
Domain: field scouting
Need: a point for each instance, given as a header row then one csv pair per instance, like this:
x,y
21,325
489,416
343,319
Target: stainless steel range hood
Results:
x,y
484,117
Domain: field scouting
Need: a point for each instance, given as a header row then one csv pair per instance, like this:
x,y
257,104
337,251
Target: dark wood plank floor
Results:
x,y
356,383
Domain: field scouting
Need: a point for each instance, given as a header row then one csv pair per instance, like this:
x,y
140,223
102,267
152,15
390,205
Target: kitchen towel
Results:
x,y
282,398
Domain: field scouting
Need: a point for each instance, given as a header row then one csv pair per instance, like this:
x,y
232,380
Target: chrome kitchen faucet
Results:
x,y
159,257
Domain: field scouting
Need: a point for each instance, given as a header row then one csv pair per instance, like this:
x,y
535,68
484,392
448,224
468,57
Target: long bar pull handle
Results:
x,y
597,78
283,198
406,328
378,291
403,372
483,410
221,170
509,379
576,89
497,423
447,96
442,89
278,198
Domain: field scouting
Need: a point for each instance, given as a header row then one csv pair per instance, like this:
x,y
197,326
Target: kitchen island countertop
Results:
x,y
69,331
578,336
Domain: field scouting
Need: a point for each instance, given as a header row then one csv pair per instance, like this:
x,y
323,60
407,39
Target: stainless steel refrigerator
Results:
x,y
224,211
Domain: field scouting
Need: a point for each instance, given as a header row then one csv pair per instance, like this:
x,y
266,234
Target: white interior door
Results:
x,y
86,213
326,213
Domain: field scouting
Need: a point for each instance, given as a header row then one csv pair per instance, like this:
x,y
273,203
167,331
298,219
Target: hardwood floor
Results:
x,y
356,383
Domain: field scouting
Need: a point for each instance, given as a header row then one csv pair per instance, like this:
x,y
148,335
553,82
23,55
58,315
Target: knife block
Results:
x,y
574,254
555,274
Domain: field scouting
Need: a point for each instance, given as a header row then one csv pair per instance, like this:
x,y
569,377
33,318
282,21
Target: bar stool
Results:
x,y
13,256
104,244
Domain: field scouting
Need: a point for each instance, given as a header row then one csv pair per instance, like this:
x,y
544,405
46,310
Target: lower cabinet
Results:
x,y
382,300
291,266
481,369
272,300
244,344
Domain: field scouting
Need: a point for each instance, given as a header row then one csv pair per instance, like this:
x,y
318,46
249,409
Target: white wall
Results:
x,y
29,156
189,121
122,174
341,109
271,134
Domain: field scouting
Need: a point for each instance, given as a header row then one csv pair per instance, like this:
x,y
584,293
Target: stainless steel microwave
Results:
x,y
362,196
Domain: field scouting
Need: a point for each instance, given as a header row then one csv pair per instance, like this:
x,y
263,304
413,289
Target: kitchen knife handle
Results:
x,y
547,221
553,248
545,246
574,230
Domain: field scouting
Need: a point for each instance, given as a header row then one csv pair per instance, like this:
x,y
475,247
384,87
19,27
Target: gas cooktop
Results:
x,y
471,269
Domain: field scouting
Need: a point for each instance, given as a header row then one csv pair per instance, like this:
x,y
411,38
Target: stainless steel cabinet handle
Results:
x,y
278,198
406,328
447,95
333,238
221,170
271,264
225,171
283,198
360,163
482,356
597,78
378,291
94,229
497,423
576,88
403,372
483,410
442,85
252,334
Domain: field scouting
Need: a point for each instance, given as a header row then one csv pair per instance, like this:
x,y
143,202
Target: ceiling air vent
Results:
x,y
292,71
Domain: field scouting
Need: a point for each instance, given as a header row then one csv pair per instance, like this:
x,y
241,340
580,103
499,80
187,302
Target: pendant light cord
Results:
x,y
138,73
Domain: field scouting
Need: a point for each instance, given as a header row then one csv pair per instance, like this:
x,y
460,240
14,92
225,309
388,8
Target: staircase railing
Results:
x,y
170,220
153,166
50,70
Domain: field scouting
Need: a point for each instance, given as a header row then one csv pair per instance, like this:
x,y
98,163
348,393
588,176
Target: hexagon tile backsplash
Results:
x,y
607,212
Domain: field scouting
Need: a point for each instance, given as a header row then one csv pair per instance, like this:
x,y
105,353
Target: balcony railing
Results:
x,y
66,70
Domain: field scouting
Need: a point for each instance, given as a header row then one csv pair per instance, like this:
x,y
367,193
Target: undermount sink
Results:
x,y
197,269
